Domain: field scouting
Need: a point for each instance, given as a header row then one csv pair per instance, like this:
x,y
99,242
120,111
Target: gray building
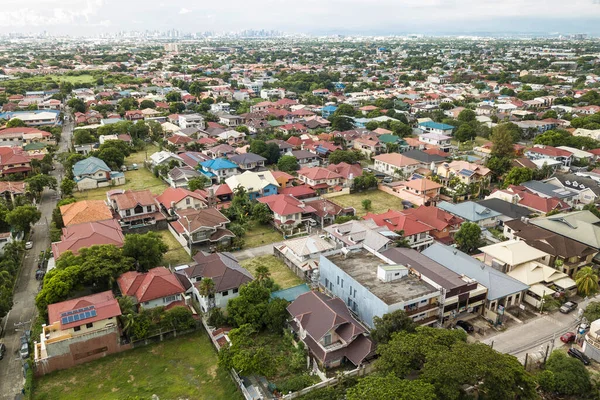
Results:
x,y
372,286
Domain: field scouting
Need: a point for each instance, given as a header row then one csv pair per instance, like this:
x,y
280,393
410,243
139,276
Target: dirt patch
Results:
x,y
114,390
212,371
73,380
131,379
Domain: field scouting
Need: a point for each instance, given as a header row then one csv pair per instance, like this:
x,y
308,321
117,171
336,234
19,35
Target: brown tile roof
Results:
x,y
75,237
222,268
207,217
157,283
85,211
131,198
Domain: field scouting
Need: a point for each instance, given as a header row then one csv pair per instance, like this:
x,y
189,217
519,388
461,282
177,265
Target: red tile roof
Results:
x,y
104,303
88,234
173,195
285,204
433,216
131,198
317,173
155,284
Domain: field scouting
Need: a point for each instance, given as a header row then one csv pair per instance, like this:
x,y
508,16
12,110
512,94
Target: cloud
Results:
x,y
50,13
185,11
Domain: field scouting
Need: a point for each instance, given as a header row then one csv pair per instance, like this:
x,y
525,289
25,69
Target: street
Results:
x,y
24,312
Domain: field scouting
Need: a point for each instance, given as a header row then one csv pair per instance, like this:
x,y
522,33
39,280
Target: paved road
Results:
x,y
24,310
537,333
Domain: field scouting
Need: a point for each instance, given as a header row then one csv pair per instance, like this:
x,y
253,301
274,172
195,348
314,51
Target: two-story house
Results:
x,y
218,169
156,288
302,254
91,173
465,171
415,232
287,210
191,121
305,158
369,146
472,212
172,200
395,164
437,139
248,161
372,286
444,225
165,158
226,273
436,127
230,120
356,235
329,331
79,330
134,208
542,152
201,228
347,172
256,184
321,180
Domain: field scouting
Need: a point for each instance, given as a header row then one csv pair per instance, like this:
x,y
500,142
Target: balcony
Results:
x,y
427,321
420,310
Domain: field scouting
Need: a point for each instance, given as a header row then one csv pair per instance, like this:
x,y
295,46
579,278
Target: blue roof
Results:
x,y
330,108
499,284
469,210
436,125
291,294
89,166
218,163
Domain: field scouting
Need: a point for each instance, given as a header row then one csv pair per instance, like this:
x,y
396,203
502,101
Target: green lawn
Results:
x,y
182,368
176,255
140,156
134,180
74,79
380,201
259,235
280,273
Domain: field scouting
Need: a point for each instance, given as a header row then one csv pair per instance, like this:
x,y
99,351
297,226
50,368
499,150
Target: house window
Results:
x,y
327,339
146,303
493,305
338,280
326,282
354,293
169,299
149,208
235,291
77,328
517,298
128,212
225,293
187,201
342,283
89,325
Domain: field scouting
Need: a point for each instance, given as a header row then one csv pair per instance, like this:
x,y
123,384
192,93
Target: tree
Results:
x,y
587,281
139,130
593,209
377,387
468,237
67,186
250,306
147,104
391,323
37,183
467,115
261,213
147,249
15,123
22,217
465,132
503,141
288,164
564,375
592,311
173,96
77,105
276,315
366,181
341,123
83,136
517,175
199,182
366,203
347,156
207,289
58,286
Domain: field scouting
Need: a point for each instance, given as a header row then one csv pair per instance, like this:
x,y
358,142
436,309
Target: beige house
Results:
x,y
395,164
465,171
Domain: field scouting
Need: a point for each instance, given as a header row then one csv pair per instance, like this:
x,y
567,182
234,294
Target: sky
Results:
x,y
378,17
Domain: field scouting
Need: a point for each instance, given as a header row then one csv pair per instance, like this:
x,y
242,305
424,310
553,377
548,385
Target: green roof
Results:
x,y
34,146
387,138
275,123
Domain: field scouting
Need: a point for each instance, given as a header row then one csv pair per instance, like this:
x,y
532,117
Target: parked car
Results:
x,y
24,350
2,350
568,307
29,245
388,179
568,337
467,326
579,355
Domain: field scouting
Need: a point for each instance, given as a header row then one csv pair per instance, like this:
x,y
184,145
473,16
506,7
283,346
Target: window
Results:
x,y
77,328
235,291
493,305
327,339
517,297
342,283
326,282
338,280
169,299
188,201
146,303
354,293
128,212
225,293
149,208
89,325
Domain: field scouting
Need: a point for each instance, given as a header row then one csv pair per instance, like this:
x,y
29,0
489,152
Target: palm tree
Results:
x,y
262,273
587,281
207,289
127,320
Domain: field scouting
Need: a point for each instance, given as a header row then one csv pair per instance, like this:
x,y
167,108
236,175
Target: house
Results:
x,y
395,164
443,224
256,184
85,211
10,190
347,172
458,293
134,208
548,190
436,127
502,291
415,233
193,158
472,212
191,121
373,286
587,189
369,146
226,273
14,161
232,137
541,152
356,235
284,147
509,211
302,254
578,154
165,158
524,197
427,160
156,288
201,228
581,226
79,330
87,234
230,120
326,211
283,178
566,255
174,199
218,169
92,173
134,115
465,171
248,161
287,210
320,179
305,158
179,177
329,331
437,139
508,255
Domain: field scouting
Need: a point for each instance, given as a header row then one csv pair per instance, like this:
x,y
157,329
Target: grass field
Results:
x,y
134,180
182,368
140,156
73,79
380,201
280,273
258,235
176,255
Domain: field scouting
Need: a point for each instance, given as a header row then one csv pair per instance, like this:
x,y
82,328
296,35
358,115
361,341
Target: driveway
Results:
x,y
24,312
254,252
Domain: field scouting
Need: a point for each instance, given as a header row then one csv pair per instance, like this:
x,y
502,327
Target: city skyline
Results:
x,y
361,17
